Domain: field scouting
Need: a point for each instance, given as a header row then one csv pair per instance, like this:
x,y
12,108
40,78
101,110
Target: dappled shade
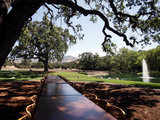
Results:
x,y
137,103
15,97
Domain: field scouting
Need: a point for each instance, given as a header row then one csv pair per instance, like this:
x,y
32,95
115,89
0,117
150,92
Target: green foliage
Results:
x,y
153,58
88,61
124,76
43,41
124,61
154,73
83,72
139,16
37,65
67,65
25,63
57,65
7,63
20,75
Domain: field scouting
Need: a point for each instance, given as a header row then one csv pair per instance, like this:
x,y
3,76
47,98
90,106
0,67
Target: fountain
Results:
x,y
145,77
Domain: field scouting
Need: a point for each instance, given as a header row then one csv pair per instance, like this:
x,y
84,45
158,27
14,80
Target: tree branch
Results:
x,y
86,12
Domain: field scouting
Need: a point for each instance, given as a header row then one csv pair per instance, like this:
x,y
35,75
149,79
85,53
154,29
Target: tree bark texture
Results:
x,y
12,23
45,63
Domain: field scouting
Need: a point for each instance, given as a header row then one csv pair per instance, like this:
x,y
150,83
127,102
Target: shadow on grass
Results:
x,y
15,96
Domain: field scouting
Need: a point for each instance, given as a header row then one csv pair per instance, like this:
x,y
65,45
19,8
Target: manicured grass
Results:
x,y
124,76
20,75
74,76
130,77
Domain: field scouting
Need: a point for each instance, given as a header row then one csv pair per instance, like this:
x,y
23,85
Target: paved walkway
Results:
x,y
59,101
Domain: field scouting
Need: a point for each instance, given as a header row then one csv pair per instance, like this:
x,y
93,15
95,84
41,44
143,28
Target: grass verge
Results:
x,y
77,77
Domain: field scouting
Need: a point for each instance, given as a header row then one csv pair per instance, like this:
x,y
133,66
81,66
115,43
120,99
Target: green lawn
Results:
x,y
74,76
20,75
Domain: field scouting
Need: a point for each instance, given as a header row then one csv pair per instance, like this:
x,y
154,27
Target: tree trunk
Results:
x,y
45,63
12,24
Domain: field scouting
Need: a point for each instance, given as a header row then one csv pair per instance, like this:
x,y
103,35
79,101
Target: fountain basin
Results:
x,y
147,79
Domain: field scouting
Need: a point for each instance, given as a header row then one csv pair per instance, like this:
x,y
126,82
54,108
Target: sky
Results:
x,y
93,36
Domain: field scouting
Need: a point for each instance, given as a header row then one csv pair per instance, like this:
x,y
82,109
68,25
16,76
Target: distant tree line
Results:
x,y
125,60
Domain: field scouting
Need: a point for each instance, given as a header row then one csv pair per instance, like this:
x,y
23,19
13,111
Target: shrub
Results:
x,y
155,74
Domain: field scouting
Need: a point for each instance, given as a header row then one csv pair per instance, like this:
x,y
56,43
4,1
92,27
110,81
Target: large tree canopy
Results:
x,y
39,40
119,16
88,61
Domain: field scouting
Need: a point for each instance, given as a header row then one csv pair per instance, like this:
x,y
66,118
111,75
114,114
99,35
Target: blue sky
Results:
x,y
93,36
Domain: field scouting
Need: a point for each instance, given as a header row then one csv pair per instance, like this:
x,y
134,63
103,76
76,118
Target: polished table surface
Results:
x,y
60,101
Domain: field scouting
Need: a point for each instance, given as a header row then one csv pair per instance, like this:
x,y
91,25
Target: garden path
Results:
x,y
60,101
